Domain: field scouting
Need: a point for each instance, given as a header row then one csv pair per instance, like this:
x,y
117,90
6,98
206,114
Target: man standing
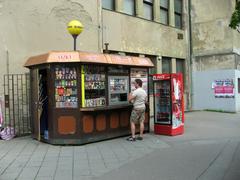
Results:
x,y
138,97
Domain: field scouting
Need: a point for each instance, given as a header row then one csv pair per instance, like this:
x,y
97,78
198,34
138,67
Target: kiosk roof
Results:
x,y
87,57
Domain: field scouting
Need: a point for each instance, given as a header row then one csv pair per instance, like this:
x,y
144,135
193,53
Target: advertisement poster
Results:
x,y
177,103
223,88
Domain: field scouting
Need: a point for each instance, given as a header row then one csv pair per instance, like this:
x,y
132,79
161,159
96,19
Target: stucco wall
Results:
x,y
31,27
132,34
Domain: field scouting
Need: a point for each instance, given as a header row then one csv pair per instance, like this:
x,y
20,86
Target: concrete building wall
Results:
x,y
214,62
130,34
210,31
31,27
216,50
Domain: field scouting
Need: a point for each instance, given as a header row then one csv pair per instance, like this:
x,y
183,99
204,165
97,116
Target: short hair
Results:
x,y
139,82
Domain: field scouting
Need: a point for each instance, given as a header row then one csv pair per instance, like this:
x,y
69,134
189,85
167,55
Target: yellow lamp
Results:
x,y
75,27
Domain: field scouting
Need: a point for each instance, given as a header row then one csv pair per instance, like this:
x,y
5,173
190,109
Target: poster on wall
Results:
x,y
223,88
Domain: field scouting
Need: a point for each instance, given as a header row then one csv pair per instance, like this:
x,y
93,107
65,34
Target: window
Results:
x,y
108,4
148,9
166,65
164,6
129,7
152,71
180,64
178,13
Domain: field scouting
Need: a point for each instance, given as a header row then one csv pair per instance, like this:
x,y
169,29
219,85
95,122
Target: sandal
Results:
x,y
131,138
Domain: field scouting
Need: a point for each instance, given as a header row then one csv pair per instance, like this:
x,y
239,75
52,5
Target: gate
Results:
x,y
17,96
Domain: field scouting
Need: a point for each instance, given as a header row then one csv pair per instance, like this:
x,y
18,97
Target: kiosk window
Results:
x,y
118,90
66,87
93,86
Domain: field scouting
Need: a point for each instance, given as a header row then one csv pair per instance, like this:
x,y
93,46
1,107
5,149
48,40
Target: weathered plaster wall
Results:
x,y
214,42
131,34
214,62
210,30
31,27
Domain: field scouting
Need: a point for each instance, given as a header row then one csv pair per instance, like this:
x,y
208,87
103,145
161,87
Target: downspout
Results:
x,y
190,96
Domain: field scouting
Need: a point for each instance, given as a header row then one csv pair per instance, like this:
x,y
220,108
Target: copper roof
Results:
x,y
87,57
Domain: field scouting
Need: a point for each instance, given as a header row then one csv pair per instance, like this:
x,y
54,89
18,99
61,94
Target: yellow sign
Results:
x,y
75,27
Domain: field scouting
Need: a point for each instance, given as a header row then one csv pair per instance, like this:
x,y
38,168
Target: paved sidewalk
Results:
x,y
209,149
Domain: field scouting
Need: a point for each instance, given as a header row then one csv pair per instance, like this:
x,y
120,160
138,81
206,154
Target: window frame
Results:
x,y
162,8
113,4
146,2
180,14
167,59
134,8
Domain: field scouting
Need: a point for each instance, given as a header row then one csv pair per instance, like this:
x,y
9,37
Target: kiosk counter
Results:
x,y
81,97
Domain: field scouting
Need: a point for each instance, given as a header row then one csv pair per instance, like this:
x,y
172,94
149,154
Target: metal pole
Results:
x,y
74,40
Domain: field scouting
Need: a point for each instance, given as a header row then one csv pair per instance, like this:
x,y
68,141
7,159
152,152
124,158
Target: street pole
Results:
x,y
75,28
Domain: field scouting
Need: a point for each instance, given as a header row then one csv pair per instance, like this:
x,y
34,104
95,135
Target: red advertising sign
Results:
x,y
160,76
223,88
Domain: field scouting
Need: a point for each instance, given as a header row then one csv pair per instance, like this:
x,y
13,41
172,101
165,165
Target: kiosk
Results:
x,y
80,97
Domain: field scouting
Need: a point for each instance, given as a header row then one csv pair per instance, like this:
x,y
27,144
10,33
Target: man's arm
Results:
x,y
131,97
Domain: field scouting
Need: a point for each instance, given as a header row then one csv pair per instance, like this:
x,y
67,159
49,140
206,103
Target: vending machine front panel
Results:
x,y
163,110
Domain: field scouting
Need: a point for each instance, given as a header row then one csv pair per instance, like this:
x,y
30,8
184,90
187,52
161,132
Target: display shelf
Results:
x,y
65,87
118,90
95,86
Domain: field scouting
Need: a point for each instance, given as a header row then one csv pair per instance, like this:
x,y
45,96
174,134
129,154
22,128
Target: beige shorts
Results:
x,y
137,116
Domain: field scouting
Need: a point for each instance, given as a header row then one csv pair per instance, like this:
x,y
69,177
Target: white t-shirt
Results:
x,y
140,98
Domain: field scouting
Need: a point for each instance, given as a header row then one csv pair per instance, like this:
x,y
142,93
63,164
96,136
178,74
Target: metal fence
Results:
x,y
16,96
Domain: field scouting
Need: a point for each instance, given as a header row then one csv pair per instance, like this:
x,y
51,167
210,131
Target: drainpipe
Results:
x,y
190,97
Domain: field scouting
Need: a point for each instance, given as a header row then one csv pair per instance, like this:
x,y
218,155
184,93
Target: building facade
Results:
x,y
157,29
215,56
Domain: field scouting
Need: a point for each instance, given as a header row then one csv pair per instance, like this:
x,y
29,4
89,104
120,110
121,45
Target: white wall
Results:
x,y
203,97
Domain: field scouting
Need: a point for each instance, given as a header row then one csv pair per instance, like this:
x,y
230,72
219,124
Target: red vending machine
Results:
x,y
168,104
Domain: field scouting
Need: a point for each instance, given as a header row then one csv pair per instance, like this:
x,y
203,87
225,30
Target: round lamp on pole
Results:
x,y
75,27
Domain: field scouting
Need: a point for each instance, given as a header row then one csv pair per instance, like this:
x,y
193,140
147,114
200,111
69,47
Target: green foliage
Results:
x,y
235,19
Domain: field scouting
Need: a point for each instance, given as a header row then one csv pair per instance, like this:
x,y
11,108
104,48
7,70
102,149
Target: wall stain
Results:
x,y
70,10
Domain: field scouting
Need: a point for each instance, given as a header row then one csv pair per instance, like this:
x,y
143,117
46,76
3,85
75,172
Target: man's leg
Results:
x,y
133,129
141,128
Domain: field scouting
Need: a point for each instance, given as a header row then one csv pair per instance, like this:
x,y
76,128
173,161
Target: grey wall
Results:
x,y
237,94
203,96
